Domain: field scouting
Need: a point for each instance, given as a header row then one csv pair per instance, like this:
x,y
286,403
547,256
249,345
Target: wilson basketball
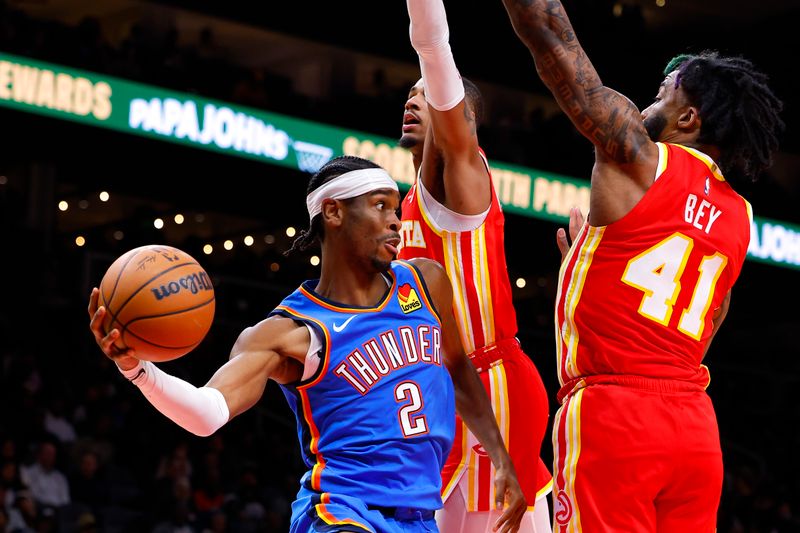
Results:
x,y
161,301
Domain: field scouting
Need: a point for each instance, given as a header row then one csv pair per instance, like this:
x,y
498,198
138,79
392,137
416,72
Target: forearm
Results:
x,y
537,22
608,119
430,38
545,29
473,406
201,410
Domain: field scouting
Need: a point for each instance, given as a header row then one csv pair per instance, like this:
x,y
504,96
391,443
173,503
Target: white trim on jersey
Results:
x,y
447,219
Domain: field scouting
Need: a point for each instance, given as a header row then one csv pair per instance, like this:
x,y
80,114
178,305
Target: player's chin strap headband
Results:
x,y
349,185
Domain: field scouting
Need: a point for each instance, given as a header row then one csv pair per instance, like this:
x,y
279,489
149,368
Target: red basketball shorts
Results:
x,y
636,455
519,401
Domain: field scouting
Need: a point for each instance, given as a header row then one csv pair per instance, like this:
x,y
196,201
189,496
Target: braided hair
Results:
x,y
332,169
739,112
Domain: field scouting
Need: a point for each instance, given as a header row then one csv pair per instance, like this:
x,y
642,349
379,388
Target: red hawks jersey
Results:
x,y
475,261
637,296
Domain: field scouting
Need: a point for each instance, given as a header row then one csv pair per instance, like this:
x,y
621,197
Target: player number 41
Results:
x,y
657,272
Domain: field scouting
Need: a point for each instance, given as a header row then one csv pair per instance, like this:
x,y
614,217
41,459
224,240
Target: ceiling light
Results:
x,y
104,196
63,205
158,223
314,260
290,231
178,219
228,245
207,249
248,240
521,283
79,240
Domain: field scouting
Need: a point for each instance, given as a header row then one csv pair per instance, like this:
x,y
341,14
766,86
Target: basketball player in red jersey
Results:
x,y
452,215
647,282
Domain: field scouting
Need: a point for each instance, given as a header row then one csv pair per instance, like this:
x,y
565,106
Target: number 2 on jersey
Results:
x,y
411,423
657,272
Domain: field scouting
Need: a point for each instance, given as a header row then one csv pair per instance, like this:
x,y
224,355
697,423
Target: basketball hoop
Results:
x,y
311,157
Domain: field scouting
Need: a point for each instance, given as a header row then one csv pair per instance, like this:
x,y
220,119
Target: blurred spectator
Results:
x,y
86,523
48,485
207,48
3,519
209,497
87,484
8,449
181,521
176,463
56,423
92,50
11,482
217,524
251,88
22,516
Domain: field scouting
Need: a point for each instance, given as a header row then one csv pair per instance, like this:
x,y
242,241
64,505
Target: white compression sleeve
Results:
x,y
430,38
201,411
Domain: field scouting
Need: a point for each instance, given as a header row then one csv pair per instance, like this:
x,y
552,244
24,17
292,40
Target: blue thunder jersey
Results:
x,y
377,419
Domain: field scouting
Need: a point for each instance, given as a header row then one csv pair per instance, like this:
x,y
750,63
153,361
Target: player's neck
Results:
x,y
711,151
351,287
416,156
691,141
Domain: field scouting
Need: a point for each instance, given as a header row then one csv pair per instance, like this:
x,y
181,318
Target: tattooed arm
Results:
x,y
626,158
452,168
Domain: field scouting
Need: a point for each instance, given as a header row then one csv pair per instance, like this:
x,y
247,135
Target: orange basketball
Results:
x,y
161,301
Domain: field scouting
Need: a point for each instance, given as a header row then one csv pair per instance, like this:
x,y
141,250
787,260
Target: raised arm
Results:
x,y
625,157
452,168
608,119
472,403
262,352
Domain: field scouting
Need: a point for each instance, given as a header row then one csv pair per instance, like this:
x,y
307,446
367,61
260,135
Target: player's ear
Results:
x,y
689,119
332,212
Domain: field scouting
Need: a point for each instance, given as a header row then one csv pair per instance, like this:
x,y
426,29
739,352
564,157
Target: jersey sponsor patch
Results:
x,y
408,299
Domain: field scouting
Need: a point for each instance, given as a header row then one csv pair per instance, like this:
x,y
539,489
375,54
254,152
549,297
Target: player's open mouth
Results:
x,y
409,121
392,244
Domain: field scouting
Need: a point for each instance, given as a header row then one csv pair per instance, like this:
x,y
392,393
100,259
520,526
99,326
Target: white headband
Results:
x,y
349,185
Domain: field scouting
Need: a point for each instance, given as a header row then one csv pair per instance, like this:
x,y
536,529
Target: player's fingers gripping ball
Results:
x,y
160,299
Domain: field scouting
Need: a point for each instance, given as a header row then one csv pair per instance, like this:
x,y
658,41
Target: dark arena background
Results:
x,y
194,124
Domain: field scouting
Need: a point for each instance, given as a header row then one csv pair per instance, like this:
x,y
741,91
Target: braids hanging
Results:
x,y
739,112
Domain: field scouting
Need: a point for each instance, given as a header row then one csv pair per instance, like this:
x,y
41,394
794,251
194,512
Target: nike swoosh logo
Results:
x,y
337,328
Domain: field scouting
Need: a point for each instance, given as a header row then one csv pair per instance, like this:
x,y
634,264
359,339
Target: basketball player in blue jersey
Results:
x,y
372,370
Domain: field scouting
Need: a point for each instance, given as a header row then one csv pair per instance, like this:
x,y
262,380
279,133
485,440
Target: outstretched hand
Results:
x,y
125,359
576,220
509,494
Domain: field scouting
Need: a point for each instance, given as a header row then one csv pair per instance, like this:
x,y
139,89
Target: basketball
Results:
x,y
161,301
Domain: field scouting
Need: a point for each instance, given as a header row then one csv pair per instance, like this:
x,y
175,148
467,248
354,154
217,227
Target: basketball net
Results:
x,y
311,157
